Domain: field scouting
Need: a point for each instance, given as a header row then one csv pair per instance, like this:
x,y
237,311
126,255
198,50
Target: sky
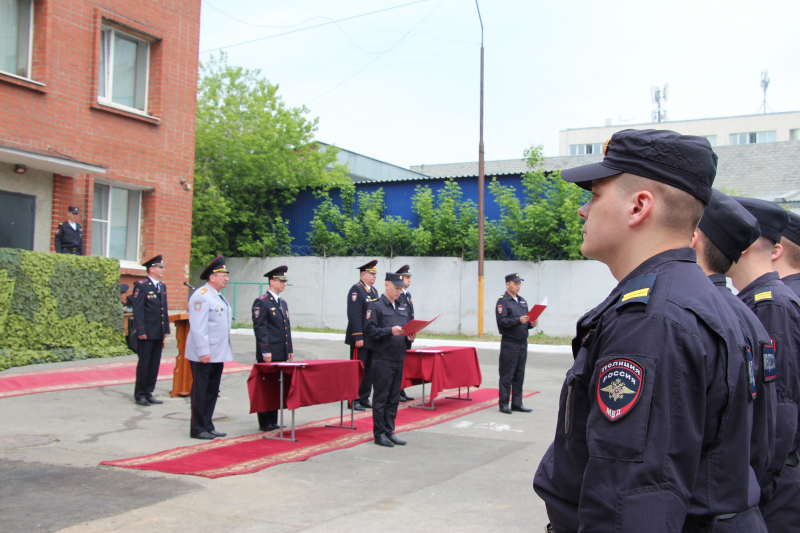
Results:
x,y
401,83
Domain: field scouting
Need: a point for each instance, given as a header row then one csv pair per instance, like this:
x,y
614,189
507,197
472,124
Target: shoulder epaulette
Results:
x,y
203,290
60,224
764,294
637,290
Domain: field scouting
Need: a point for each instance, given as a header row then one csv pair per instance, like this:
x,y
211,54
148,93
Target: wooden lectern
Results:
x,y
182,378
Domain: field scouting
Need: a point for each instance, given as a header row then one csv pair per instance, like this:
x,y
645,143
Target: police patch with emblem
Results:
x,y
751,378
198,305
354,296
369,313
500,309
769,366
619,387
136,292
256,312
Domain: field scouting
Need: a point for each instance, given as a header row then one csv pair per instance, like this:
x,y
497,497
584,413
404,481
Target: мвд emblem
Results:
x,y
256,312
500,309
354,296
619,387
198,305
369,313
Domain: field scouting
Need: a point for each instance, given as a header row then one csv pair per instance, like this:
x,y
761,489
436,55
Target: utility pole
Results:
x,y
480,195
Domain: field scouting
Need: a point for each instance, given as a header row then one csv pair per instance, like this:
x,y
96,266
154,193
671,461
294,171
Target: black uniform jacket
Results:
x,y
507,312
66,236
653,421
778,308
762,440
381,318
150,311
405,297
358,299
272,328
793,282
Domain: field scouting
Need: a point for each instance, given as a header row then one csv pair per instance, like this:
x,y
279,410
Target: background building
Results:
x,y
98,111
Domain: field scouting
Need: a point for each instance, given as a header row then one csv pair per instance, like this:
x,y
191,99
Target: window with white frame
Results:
x,y
16,36
123,72
712,139
794,135
753,137
585,149
116,219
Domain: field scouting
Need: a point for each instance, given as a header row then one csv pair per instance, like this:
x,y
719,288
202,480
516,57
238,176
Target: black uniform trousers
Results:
x,y
365,356
513,356
387,376
147,368
205,389
782,513
267,418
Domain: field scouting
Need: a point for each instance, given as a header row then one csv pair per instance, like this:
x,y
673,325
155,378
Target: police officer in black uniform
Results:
x,y
405,297
787,263
69,237
359,297
385,320
273,332
725,231
653,431
513,324
151,320
778,308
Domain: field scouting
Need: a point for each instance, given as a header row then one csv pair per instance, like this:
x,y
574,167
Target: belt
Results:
x,y
793,459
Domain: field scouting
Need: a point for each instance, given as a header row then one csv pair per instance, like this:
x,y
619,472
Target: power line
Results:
x,y
315,26
209,4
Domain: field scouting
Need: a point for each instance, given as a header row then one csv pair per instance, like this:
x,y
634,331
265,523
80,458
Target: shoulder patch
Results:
x,y
354,296
764,294
500,309
751,379
637,290
203,290
136,292
769,369
369,313
256,312
619,386
198,305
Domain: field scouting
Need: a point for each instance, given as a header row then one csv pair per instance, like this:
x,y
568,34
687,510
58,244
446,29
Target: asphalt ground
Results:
x,y
469,474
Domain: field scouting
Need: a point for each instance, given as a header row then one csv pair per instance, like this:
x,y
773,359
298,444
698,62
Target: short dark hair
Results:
x,y
715,260
684,210
792,252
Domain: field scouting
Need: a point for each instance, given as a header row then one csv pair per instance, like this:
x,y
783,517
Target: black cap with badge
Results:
x,y
74,210
771,217
513,277
395,278
729,225
217,266
278,273
404,270
792,231
370,267
682,161
154,262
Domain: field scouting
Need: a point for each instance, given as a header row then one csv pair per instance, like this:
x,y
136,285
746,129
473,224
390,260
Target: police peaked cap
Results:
x,y
395,278
792,231
217,266
154,262
682,161
513,277
404,270
370,267
278,273
772,218
729,225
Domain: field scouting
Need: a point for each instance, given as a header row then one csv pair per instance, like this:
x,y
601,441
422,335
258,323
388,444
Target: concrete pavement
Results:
x,y
470,474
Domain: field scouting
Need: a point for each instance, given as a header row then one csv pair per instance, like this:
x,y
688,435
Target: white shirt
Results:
x,y
155,282
277,298
73,225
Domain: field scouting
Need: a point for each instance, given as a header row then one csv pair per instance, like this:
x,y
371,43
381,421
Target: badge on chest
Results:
x,y
619,387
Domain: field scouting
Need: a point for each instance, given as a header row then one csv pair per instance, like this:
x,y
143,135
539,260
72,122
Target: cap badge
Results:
x,y
605,146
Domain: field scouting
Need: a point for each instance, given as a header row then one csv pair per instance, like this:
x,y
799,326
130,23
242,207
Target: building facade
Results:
x,y
97,110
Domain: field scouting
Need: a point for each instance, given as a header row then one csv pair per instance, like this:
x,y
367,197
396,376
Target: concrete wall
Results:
x,y
39,184
318,289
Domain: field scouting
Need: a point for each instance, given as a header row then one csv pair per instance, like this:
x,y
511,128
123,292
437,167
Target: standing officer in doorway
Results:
x,y
653,428
358,299
69,237
513,324
405,297
151,320
208,346
787,262
273,332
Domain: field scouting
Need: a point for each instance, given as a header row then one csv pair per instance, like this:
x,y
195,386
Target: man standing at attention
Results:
x,y
385,320
208,346
151,320
69,237
273,332
653,431
359,297
513,324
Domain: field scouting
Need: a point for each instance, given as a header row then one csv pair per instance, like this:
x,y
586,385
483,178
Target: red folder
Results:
x,y
415,326
537,310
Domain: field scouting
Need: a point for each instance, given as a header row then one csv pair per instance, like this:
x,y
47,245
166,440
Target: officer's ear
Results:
x,y
640,207
777,251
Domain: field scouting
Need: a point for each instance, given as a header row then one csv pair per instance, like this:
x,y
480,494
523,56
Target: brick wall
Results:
x,y
60,116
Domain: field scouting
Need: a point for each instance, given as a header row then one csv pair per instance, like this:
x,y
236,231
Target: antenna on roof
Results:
x,y
764,84
658,95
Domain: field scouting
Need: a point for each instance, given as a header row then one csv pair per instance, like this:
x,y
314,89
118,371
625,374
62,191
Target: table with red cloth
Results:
x,y
444,367
309,383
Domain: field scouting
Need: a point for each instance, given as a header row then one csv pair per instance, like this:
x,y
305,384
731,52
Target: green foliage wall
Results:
x,y
58,307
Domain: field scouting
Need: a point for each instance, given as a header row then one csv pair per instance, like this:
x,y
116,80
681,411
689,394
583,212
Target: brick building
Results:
x,y
97,110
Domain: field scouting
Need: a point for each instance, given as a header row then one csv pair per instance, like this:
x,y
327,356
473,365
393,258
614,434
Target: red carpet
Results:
x,y
251,453
88,376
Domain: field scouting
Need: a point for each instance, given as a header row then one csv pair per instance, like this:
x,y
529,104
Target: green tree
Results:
x,y
253,155
545,225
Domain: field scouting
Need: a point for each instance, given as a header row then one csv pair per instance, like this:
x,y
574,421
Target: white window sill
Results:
x,y
131,110
4,73
131,265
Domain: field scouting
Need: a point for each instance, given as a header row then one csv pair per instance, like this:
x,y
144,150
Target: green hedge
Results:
x,y
58,307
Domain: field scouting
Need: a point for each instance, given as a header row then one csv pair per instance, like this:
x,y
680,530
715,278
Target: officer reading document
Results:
x,y
513,324
653,430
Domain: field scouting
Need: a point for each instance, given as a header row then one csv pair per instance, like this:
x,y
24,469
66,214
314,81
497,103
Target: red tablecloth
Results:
x,y
314,383
444,367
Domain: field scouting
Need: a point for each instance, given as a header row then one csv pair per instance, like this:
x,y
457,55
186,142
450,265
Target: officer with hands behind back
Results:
x,y
652,431
359,297
405,297
513,324
273,332
208,346
151,321
69,237
385,320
